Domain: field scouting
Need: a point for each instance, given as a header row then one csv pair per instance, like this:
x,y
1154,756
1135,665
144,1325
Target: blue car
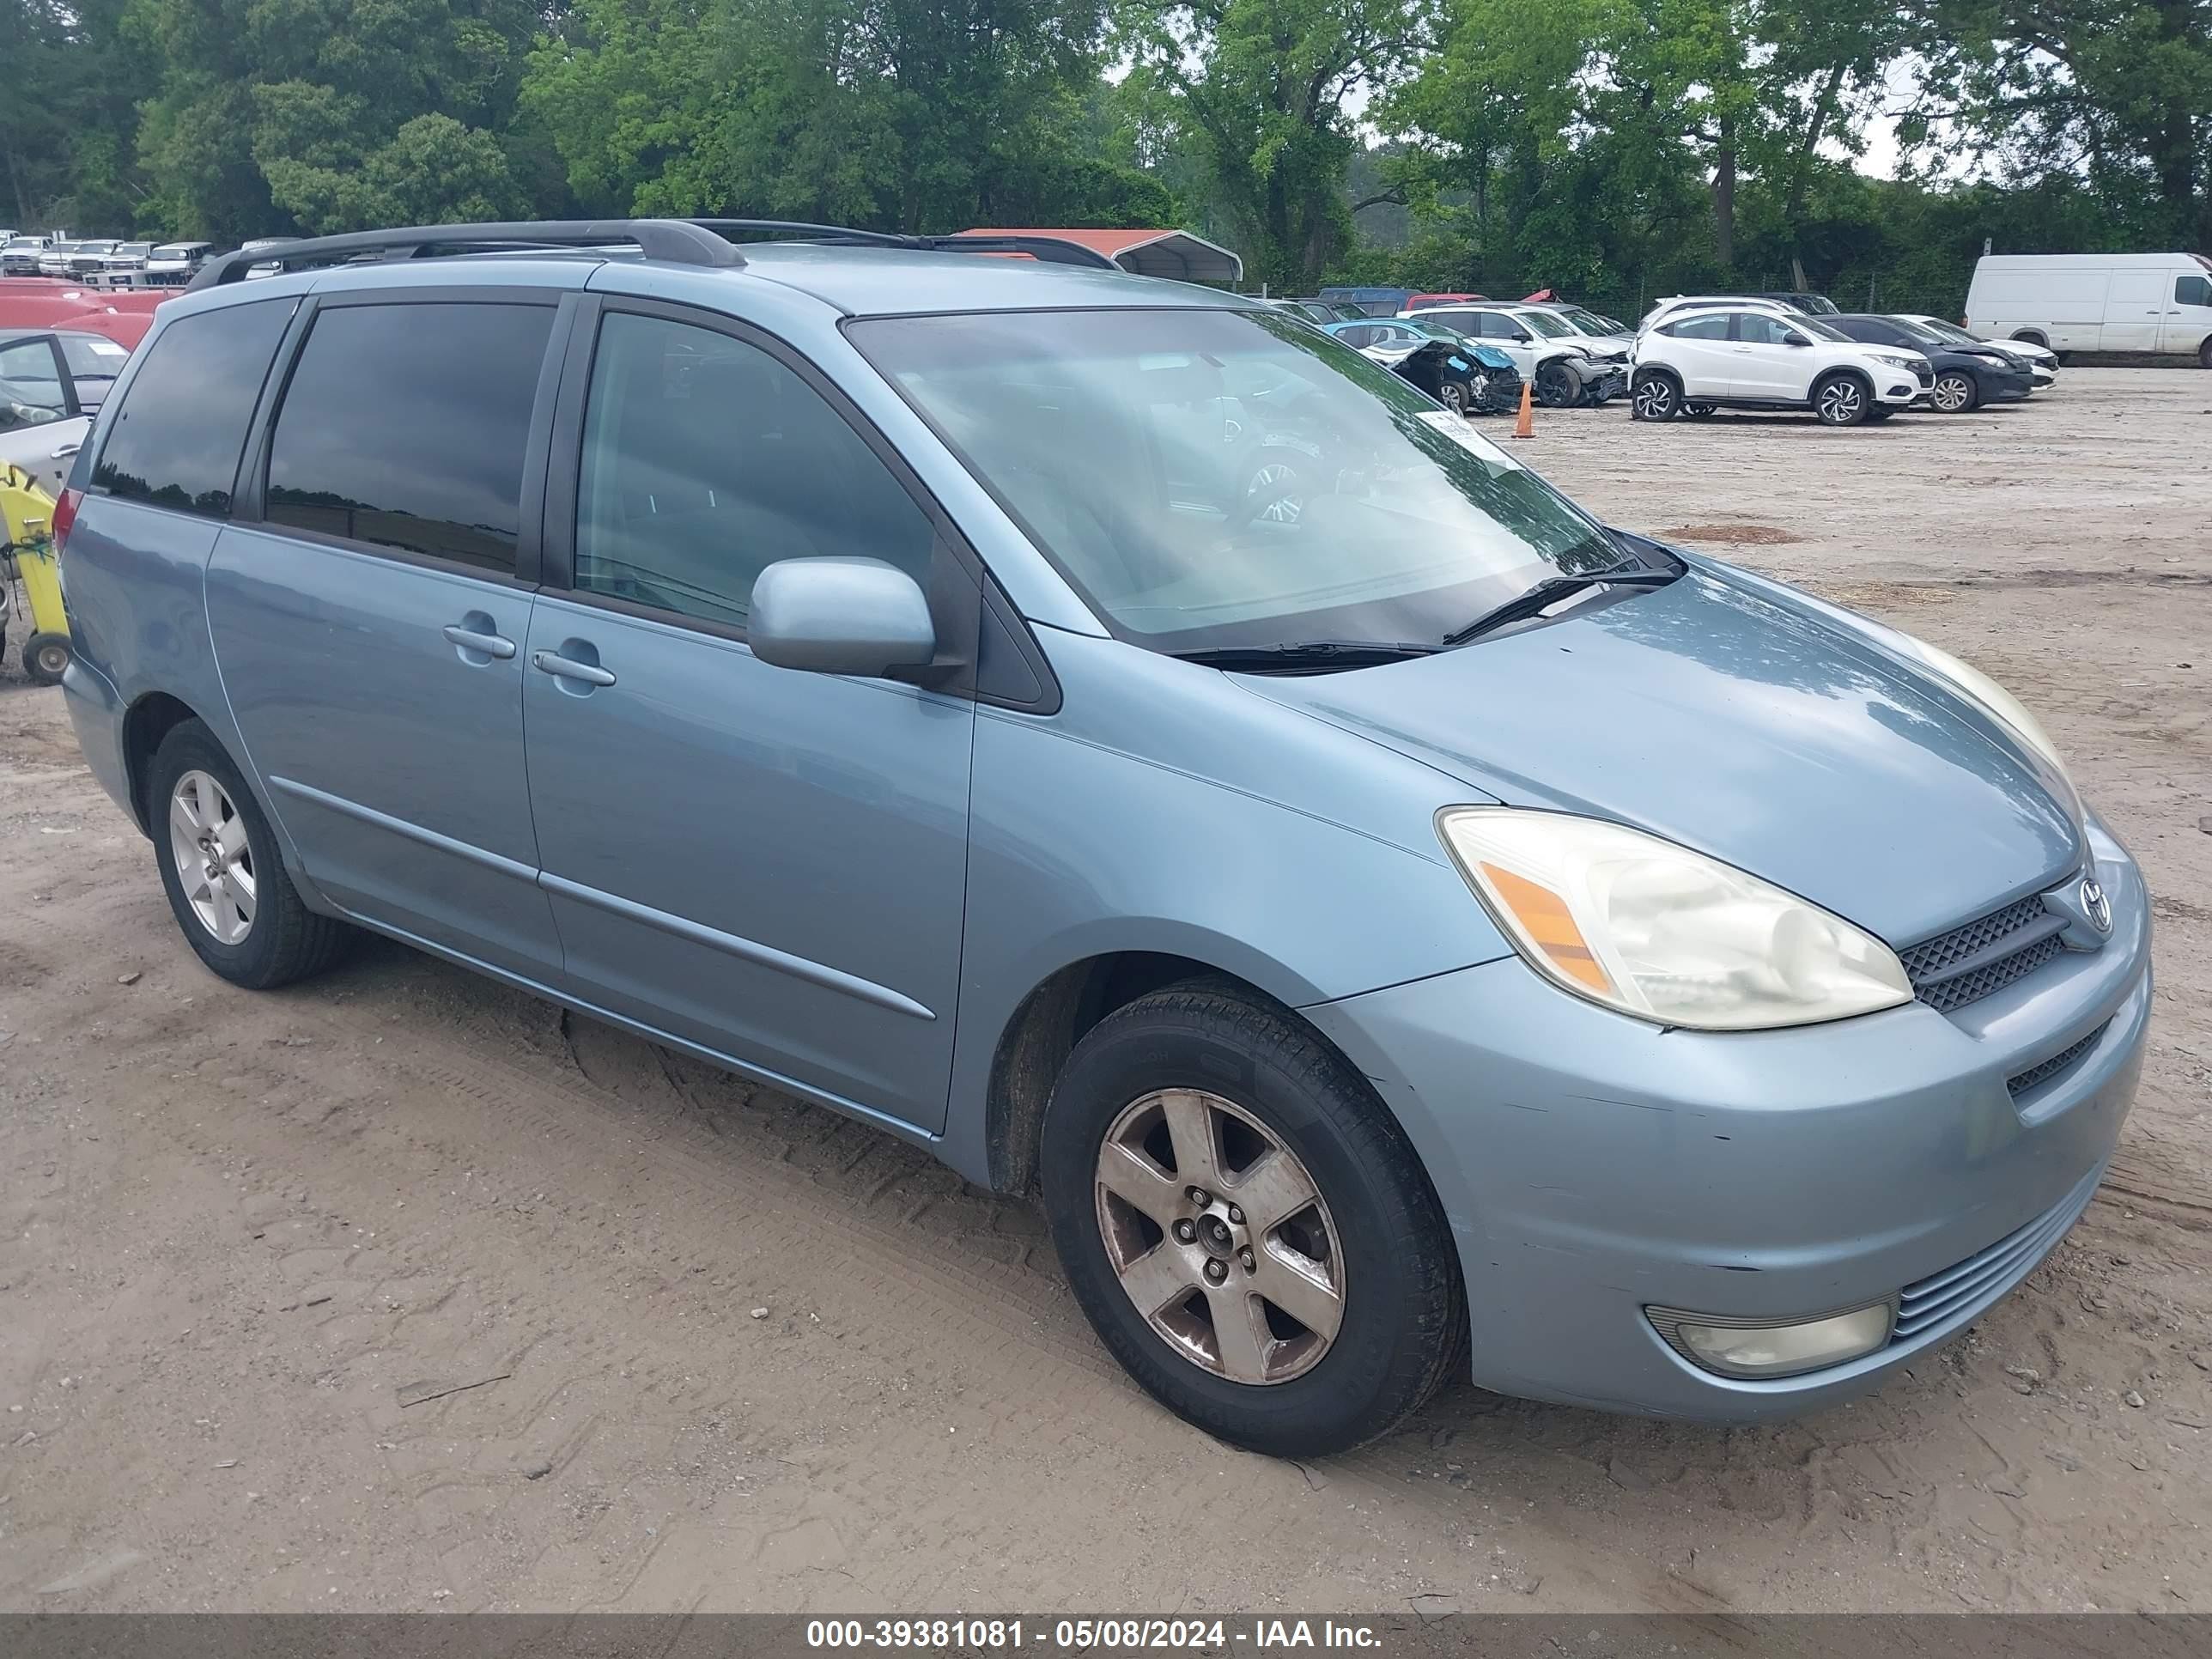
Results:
x,y
1464,375
1396,923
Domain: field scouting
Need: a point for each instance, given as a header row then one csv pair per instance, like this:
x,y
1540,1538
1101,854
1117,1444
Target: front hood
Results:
x,y
1723,715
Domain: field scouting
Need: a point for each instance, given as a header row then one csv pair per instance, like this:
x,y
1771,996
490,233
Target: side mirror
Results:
x,y
858,616
1795,339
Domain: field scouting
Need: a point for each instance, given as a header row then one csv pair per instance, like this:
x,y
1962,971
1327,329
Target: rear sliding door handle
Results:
x,y
568,668
470,640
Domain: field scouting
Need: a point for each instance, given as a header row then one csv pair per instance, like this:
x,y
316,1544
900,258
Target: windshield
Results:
x,y
1820,305
1948,332
1589,322
1210,479
1544,323
1820,331
1919,333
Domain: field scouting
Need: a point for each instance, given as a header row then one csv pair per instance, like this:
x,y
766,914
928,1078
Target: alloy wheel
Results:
x,y
1953,392
213,856
1841,402
1655,398
1271,487
1220,1237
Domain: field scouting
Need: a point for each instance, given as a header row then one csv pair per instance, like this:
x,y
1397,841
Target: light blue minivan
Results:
x,y
1113,735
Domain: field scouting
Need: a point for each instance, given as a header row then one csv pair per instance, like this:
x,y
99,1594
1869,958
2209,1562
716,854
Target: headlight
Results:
x,y
1896,357
1995,701
1659,931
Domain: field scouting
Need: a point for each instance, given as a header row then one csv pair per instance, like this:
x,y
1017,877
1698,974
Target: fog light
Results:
x,y
1741,1347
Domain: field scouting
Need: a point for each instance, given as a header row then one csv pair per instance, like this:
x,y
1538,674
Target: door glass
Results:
x,y
1756,330
706,461
30,390
2192,290
1700,328
405,426
177,438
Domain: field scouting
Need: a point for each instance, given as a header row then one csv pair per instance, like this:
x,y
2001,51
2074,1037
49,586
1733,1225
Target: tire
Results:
x,y
1373,1237
1842,400
1701,411
1557,385
46,657
1654,397
1453,396
1878,414
2204,353
1955,392
281,939
2029,337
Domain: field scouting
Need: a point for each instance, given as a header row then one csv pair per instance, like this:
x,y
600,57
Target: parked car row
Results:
x,y
104,262
1694,354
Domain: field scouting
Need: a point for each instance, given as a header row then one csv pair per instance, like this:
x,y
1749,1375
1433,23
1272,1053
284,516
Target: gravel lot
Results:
x,y
235,1229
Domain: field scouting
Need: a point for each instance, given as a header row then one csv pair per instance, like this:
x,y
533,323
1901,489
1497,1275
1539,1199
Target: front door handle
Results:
x,y
568,668
471,639
66,450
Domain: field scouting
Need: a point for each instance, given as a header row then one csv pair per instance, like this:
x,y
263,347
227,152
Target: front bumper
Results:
x,y
1604,381
1593,1166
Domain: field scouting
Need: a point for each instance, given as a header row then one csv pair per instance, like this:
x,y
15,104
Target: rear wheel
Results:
x,y
1842,400
1955,392
219,866
46,657
1245,1225
1656,396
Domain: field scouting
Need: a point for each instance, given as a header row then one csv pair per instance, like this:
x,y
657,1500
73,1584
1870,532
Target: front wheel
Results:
x,y
1700,411
1246,1228
2204,353
1841,400
1955,392
1654,398
1558,385
1455,396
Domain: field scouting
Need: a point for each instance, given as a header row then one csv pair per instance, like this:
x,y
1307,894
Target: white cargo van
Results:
x,y
2096,301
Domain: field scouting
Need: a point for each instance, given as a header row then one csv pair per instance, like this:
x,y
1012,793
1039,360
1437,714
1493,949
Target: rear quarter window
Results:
x,y
176,440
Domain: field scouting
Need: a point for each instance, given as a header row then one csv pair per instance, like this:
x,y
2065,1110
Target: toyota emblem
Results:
x,y
2096,906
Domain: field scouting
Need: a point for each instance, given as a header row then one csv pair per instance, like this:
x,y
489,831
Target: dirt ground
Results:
x,y
717,1350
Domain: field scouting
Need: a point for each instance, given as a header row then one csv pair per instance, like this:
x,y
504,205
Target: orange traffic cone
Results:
x,y
1525,425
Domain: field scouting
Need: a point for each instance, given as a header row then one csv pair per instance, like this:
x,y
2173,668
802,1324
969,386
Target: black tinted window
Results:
x,y
706,461
2192,290
404,425
175,442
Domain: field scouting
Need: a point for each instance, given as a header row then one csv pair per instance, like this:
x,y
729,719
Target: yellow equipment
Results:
x,y
27,562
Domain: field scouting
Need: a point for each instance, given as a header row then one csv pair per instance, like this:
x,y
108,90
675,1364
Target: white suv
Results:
x,y
1743,356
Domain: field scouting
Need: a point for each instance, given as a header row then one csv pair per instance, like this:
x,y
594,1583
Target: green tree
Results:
x,y
1259,94
2116,92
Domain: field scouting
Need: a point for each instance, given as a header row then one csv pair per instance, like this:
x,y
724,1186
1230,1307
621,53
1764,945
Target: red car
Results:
x,y
123,315
1418,301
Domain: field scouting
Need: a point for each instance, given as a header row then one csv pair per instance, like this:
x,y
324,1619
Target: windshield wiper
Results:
x,y
1550,591
1306,653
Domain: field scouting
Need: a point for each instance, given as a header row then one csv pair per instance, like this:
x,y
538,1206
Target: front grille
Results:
x,y
1924,373
2044,1071
1986,955
1964,1290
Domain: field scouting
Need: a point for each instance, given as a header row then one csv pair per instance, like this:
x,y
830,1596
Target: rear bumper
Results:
x,y
96,711
1593,1166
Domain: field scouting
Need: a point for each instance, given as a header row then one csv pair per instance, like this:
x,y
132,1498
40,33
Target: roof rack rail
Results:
x,y
678,240
1051,250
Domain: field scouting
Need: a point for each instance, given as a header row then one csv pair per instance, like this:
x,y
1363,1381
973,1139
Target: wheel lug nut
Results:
x,y
1185,1231
1198,1196
1236,1215
1245,1256
1215,1272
